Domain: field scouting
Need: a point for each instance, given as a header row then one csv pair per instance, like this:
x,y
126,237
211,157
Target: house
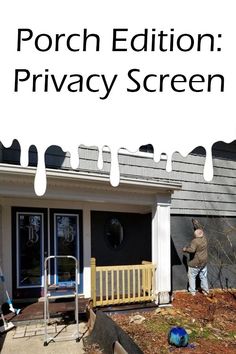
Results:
x,y
147,217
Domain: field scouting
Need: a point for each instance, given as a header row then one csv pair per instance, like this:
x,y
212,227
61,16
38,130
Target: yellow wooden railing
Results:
x,y
111,285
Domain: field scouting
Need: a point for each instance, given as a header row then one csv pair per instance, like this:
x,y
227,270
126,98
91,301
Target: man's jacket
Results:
x,y
198,247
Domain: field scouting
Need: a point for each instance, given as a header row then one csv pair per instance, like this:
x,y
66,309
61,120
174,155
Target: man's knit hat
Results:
x,y
196,224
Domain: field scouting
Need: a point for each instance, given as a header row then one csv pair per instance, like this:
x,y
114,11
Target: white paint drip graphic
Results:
x,y
40,182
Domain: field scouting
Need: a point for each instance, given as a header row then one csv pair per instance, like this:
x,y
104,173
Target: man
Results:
x,y
198,264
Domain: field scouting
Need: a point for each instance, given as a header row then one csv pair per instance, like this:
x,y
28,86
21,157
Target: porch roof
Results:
x,y
82,185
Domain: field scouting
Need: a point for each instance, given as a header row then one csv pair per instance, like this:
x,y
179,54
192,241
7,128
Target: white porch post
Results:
x,y
87,251
161,248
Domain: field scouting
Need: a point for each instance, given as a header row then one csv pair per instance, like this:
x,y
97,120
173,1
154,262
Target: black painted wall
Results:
x,y
221,234
136,246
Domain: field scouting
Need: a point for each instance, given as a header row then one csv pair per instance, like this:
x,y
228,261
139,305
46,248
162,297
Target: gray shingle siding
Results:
x,y
196,196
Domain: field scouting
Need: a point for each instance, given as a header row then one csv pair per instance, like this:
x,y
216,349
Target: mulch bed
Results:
x,y
210,322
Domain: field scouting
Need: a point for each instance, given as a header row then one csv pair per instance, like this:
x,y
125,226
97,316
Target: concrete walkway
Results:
x,y
30,339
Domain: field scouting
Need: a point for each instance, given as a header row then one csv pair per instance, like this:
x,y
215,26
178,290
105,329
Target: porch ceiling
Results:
x,y
84,186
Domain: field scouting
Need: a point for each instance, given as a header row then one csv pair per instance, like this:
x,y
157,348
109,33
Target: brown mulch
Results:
x,y
210,322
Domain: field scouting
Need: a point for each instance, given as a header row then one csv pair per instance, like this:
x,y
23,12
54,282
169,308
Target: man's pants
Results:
x,y
192,274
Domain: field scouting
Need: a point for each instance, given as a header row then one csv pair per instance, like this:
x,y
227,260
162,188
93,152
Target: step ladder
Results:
x,y
60,291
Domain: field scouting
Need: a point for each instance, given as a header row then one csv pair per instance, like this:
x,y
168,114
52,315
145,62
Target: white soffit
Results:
x,y
19,181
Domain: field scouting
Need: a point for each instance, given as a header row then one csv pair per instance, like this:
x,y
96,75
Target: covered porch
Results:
x,y
86,193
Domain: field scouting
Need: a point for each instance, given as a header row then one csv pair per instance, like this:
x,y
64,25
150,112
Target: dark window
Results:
x,y
114,233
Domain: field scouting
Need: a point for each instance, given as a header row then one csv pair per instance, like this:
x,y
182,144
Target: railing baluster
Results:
x,y
106,286
112,285
123,284
118,285
128,284
138,283
149,270
134,283
144,281
101,287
